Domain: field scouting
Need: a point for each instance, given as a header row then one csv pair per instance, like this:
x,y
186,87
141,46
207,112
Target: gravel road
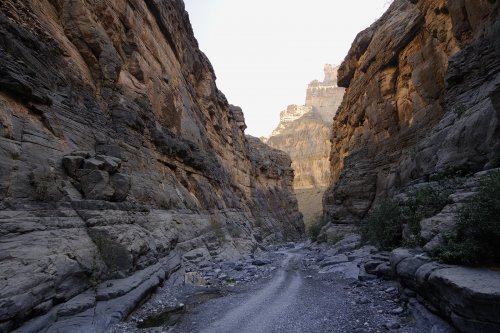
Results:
x,y
286,290
296,299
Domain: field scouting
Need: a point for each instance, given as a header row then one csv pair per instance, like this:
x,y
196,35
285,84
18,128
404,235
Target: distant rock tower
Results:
x,y
304,133
325,97
330,74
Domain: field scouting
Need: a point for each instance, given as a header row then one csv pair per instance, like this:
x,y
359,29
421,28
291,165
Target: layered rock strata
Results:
x,y
118,154
422,97
468,297
421,103
325,97
304,132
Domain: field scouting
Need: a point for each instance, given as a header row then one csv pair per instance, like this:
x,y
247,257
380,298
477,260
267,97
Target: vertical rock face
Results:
x,y
274,191
422,97
325,97
303,132
117,154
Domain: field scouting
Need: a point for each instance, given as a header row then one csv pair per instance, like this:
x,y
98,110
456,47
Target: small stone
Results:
x,y
397,311
409,293
392,325
390,290
260,262
363,300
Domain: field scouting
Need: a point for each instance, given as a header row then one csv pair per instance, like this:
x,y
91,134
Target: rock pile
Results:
x,y
97,177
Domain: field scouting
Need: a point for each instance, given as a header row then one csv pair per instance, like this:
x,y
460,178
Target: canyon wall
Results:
x,y
118,154
422,97
325,97
304,133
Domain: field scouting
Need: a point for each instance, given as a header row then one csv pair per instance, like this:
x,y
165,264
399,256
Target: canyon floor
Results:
x,y
292,289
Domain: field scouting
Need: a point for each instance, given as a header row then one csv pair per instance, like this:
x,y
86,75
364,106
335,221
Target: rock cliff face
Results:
x,y
422,97
304,132
325,97
117,155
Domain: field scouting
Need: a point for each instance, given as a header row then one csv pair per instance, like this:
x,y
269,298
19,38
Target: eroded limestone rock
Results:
x,y
420,99
117,155
303,132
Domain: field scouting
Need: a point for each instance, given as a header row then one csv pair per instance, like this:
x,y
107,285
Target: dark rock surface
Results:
x,y
421,98
117,152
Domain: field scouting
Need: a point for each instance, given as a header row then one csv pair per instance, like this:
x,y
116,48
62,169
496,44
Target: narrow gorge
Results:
x,y
132,200
304,133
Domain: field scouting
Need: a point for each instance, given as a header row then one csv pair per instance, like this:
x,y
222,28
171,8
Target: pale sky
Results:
x,y
265,52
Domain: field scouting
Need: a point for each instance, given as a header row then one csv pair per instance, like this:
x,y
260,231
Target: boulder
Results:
x,y
95,185
471,296
121,184
384,270
111,164
406,269
71,164
93,164
372,265
260,262
399,254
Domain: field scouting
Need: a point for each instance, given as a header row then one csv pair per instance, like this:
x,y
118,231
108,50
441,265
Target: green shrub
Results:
x,y
217,229
423,203
234,230
450,174
476,238
315,228
385,223
259,222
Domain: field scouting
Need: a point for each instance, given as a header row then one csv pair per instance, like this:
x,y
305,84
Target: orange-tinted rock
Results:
x,y
420,98
304,132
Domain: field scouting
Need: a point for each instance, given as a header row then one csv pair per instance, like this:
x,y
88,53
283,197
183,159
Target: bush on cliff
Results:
x,y
384,225
397,223
476,238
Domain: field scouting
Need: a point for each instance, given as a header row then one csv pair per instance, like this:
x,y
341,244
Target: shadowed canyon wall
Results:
x,y
117,155
304,133
422,97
